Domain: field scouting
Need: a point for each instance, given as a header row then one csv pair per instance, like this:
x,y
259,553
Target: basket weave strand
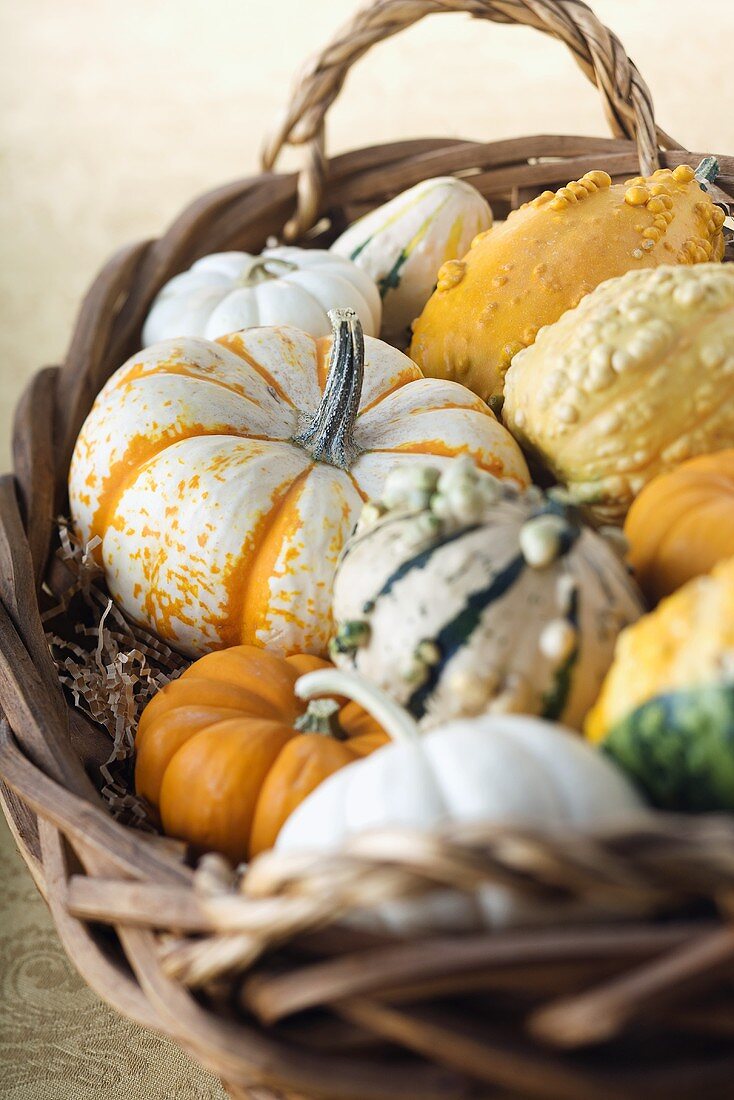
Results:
x,y
598,52
259,977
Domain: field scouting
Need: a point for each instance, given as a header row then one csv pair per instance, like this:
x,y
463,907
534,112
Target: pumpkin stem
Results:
x,y
707,171
327,436
321,716
266,268
390,715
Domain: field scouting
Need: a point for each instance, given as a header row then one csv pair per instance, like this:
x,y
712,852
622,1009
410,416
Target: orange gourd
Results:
x,y
226,752
682,524
523,275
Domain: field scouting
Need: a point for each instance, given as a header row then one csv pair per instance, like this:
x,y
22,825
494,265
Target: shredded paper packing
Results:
x,y
110,666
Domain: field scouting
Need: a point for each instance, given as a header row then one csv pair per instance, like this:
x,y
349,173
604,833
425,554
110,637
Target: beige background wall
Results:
x,y
115,114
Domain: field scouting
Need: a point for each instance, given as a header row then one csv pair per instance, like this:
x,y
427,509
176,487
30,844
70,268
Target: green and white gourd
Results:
x,y
230,291
500,769
458,595
403,244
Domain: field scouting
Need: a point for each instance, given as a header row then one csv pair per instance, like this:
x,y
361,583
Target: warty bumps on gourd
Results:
x,y
458,595
525,274
636,379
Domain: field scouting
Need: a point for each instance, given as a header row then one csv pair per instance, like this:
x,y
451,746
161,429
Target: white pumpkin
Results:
x,y
459,595
502,769
403,244
223,479
230,291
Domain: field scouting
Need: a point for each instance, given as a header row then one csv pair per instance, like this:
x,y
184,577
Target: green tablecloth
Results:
x,y
58,1041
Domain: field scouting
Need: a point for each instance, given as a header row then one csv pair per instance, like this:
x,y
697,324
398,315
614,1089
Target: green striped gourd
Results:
x,y
458,596
403,244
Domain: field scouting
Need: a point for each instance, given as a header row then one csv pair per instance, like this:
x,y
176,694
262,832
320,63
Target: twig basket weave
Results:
x,y
261,979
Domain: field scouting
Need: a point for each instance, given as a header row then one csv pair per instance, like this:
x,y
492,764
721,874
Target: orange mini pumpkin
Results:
x,y
226,752
682,524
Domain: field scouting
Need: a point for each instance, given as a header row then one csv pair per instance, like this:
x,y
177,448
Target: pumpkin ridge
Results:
x,y
644,565
170,367
242,353
130,465
296,771
363,496
398,385
440,449
263,675
473,404
242,603
162,739
213,757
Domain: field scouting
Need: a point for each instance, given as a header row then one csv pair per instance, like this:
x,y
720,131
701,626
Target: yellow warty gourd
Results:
x,y
636,379
524,274
686,643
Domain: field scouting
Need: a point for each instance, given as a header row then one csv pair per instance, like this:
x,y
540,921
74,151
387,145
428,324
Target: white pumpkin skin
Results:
x,y
456,608
502,769
230,291
217,527
403,244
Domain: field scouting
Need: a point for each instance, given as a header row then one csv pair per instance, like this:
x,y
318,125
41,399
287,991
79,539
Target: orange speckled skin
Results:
x,y
523,274
216,527
218,756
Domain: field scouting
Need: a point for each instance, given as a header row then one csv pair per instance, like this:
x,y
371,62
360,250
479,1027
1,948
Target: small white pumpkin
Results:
x,y
457,595
230,291
403,244
503,769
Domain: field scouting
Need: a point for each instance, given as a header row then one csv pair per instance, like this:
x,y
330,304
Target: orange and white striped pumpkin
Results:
x,y
223,478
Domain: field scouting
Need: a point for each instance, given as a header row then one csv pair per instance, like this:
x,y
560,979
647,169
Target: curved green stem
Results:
x,y
328,434
391,716
321,716
266,268
707,171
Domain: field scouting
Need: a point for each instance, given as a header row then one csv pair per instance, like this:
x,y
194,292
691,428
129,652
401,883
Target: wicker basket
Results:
x,y
262,979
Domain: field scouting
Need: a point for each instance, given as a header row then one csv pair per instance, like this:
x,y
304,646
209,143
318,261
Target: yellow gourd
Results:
x,y
687,642
525,274
635,380
666,710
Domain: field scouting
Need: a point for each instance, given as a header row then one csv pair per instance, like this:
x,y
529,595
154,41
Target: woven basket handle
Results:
x,y
626,97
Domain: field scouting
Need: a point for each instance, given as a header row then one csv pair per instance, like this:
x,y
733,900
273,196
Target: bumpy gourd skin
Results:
x,y
686,643
526,273
458,596
636,379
